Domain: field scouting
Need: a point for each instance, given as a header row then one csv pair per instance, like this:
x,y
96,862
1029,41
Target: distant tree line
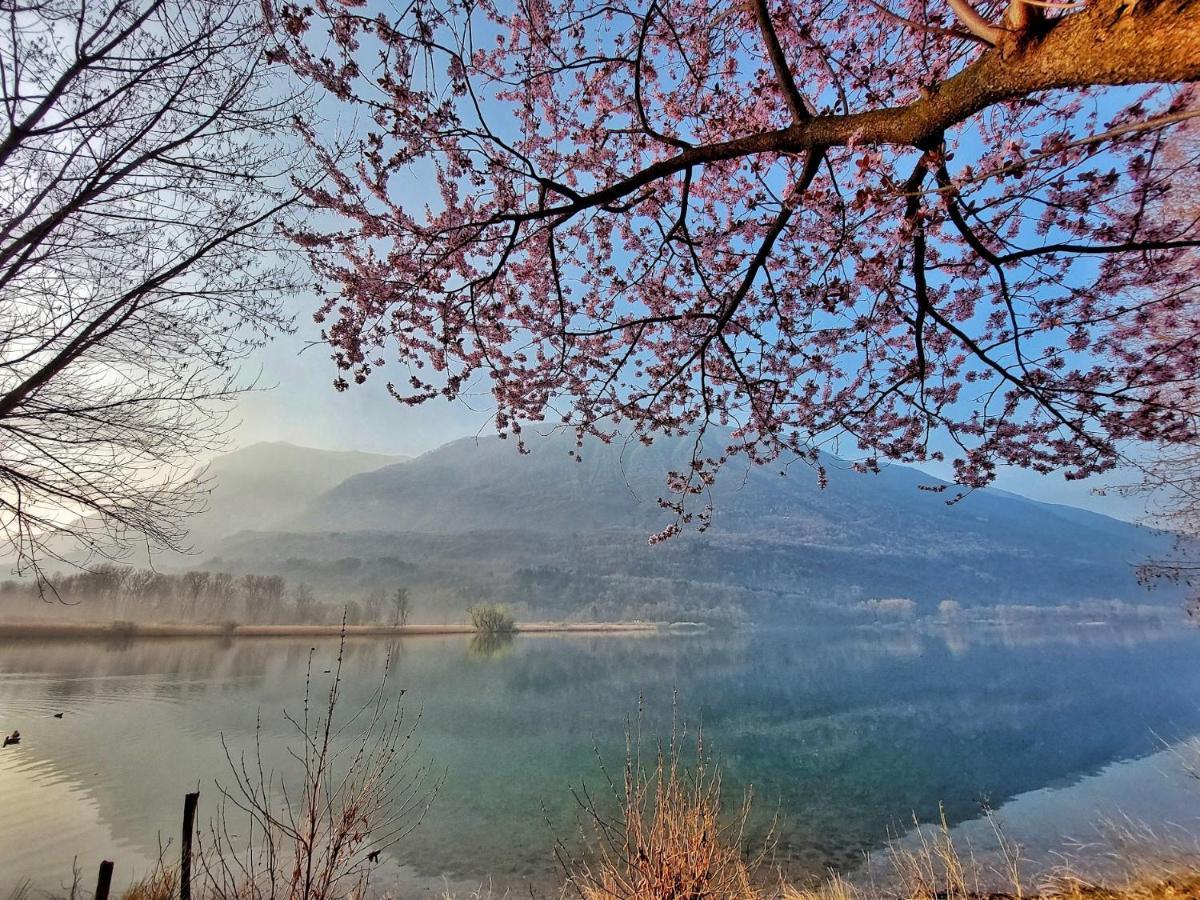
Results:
x,y
144,595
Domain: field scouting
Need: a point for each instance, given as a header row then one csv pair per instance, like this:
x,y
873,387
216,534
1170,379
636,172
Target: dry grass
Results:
x,y
667,838
934,868
162,884
1182,887
836,888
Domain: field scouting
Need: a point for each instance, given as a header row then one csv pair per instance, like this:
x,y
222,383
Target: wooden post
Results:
x,y
104,880
189,826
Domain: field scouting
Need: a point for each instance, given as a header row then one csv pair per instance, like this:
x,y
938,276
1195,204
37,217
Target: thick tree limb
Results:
x,y
1113,42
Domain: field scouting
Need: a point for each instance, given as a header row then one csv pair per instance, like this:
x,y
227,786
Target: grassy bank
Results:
x,y
234,629
163,885
1182,886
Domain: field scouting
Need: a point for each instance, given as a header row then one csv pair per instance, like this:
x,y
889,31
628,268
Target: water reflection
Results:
x,y
494,645
843,735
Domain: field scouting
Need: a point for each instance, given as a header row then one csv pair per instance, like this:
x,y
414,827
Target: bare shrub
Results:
x,y
362,788
491,618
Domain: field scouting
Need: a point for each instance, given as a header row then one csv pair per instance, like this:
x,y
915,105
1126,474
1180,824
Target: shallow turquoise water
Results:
x,y
842,736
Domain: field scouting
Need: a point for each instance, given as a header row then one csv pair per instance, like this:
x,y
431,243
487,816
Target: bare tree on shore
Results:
x,y
143,185
403,606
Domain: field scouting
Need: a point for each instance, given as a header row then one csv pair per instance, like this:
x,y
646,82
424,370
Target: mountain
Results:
x,y
265,485
476,519
484,485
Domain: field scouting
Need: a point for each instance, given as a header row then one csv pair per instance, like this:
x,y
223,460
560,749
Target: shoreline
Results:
x,y
172,630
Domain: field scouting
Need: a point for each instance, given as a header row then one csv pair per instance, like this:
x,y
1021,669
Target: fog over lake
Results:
x,y
842,735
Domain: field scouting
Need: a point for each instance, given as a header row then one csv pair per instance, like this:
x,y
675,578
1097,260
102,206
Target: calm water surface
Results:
x,y
843,737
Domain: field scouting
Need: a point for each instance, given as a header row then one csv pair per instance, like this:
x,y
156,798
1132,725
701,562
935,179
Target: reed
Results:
x,y
664,832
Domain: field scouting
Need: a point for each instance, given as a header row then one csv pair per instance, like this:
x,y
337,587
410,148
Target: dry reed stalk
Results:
x,y
666,839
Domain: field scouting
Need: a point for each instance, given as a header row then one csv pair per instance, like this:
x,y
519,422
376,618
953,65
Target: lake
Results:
x,y
843,736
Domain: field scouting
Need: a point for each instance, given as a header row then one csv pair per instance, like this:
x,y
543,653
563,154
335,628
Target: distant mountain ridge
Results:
x,y
484,485
476,519
266,485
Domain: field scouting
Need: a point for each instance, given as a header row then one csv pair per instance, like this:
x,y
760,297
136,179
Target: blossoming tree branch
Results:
x,y
907,229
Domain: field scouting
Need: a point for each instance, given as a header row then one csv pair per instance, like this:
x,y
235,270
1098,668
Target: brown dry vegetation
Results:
x,y
1183,887
162,884
668,838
